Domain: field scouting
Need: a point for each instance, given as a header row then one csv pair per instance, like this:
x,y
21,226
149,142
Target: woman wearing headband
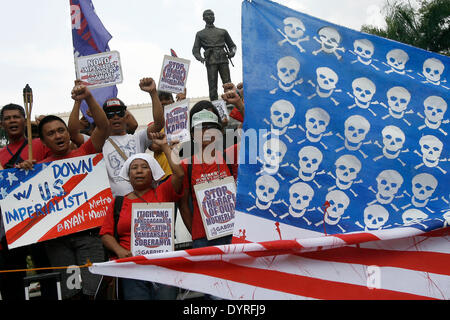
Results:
x,y
143,173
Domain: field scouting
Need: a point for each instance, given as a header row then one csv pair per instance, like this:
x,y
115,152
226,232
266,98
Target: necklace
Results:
x,y
137,195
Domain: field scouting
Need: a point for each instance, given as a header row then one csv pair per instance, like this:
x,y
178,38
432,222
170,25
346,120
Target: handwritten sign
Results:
x,y
216,201
99,70
152,228
177,121
221,107
54,199
174,74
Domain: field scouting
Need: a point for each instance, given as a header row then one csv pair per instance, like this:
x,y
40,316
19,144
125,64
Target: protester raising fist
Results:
x,y
147,85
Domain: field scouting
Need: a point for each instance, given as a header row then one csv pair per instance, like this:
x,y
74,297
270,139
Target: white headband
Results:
x,y
157,171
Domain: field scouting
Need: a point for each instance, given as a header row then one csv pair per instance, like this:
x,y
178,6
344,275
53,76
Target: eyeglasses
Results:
x,y
111,114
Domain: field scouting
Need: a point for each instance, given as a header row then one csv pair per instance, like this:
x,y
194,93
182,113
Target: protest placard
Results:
x,y
221,107
99,70
152,228
174,72
177,121
54,199
216,201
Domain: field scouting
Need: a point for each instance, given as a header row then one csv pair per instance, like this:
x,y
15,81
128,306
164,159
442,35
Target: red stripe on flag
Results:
x,y
420,261
357,237
90,221
276,247
276,280
203,251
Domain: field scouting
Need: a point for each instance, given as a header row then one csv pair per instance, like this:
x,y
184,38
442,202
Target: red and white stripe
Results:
x,y
415,266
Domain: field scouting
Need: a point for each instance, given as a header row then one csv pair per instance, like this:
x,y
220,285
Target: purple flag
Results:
x,y
89,36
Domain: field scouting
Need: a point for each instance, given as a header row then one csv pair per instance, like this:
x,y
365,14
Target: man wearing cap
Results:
x,y
121,145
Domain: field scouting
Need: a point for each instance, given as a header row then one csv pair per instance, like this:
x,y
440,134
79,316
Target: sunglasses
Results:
x,y
111,114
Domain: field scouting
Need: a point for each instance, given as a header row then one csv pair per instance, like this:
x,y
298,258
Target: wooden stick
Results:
x,y
28,104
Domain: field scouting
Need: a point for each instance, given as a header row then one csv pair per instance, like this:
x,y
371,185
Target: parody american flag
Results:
x,y
53,199
347,198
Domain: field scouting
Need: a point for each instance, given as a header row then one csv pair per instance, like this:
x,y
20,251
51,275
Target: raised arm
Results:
x,y
173,160
101,131
131,121
233,96
149,85
74,125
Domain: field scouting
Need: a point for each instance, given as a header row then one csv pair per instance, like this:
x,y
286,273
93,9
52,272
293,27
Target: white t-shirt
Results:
x,y
130,145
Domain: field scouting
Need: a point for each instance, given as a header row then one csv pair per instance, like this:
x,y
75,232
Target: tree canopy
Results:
x,y
426,26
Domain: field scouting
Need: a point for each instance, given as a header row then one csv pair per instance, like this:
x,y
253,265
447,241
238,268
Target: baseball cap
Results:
x,y
204,116
114,104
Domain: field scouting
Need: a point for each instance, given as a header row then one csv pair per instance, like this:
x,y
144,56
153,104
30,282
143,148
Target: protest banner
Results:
x,y
54,199
152,228
221,107
177,121
99,70
174,72
216,201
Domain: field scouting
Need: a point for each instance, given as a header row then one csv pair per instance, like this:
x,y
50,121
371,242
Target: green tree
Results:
x,y
426,26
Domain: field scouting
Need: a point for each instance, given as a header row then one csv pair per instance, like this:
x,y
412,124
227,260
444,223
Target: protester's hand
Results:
x,y
147,85
181,96
158,138
232,97
80,92
78,82
229,86
123,253
240,88
39,118
25,165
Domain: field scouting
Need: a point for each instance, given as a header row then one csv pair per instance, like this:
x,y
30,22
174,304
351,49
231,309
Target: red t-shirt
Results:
x,y
236,114
202,173
164,193
85,149
40,151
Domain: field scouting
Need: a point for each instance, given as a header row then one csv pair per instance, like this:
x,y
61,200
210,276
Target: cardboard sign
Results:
x,y
216,201
99,70
176,118
54,199
152,228
221,107
174,74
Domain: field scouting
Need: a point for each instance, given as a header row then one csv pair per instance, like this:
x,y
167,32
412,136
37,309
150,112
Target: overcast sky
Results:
x,y
36,42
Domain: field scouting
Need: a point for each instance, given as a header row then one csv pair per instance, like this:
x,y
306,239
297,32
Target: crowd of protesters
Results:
x,y
135,175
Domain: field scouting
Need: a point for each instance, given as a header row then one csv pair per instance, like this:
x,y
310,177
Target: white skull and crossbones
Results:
x,y
330,40
294,30
398,99
288,69
327,81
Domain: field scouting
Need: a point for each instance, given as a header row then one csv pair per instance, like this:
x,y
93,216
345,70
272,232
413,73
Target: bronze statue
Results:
x,y
218,48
